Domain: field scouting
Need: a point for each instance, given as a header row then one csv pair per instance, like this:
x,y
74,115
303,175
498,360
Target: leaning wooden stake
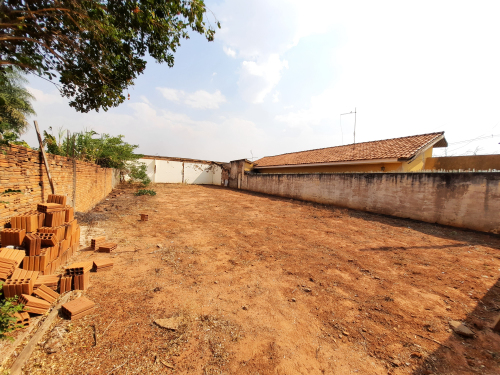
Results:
x,y
25,354
44,157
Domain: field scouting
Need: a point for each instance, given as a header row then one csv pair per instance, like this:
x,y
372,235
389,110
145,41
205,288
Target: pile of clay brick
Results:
x,y
24,283
34,247
49,236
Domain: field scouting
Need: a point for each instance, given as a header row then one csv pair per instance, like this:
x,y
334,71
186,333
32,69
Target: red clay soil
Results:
x,y
264,285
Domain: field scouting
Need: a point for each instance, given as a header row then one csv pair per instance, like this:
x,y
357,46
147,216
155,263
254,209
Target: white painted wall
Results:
x,y
168,171
199,174
217,175
151,168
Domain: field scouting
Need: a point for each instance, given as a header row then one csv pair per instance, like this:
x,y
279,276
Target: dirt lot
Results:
x,y
263,285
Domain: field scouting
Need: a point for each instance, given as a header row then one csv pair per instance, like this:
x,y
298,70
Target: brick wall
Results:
x,y
467,200
23,169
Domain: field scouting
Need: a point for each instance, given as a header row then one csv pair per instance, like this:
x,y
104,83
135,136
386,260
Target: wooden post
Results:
x,y
44,157
74,171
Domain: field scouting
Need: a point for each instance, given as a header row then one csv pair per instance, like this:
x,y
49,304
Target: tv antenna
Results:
x,y
348,113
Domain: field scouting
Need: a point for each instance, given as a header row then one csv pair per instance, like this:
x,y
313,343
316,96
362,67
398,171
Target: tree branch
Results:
x,y
34,41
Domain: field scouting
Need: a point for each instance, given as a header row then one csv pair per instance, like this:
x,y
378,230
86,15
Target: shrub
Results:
x,y
7,319
145,192
138,173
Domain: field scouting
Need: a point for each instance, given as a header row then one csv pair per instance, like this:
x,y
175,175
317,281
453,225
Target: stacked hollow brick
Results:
x,y
79,272
39,242
21,282
100,245
52,241
12,237
10,259
95,242
50,281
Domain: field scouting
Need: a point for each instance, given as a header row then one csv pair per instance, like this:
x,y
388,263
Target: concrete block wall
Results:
x,y
466,200
22,169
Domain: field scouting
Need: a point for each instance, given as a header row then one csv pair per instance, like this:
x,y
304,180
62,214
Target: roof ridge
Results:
x,y
352,144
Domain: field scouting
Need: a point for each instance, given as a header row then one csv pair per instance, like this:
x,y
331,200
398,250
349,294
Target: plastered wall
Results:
x,y
183,171
467,200
471,162
22,169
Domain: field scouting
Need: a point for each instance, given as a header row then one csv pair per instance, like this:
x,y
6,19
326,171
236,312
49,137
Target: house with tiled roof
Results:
x,y
406,154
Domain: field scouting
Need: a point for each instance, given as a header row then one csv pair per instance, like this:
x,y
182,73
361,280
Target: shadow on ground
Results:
x,y
470,355
477,355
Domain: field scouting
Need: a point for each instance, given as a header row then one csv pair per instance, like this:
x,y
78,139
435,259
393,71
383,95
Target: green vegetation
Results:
x,y
15,105
138,173
7,321
106,150
96,48
11,191
145,192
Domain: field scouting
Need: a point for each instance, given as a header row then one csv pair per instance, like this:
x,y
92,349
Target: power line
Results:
x,y
469,141
475,139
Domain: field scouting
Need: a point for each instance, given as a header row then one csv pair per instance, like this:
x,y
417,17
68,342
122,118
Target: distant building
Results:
x,y
406,154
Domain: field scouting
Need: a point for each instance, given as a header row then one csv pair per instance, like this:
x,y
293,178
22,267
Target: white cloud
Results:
x,y
408,68
276,97
204,139
260,32
229,51
46,97
204,100
171,94
407,79
157,131
259,79
200,99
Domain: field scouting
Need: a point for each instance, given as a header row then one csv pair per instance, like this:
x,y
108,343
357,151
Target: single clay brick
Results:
x,y
77,306
31,301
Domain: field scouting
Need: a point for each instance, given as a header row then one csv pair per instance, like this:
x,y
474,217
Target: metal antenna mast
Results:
x,y
348,113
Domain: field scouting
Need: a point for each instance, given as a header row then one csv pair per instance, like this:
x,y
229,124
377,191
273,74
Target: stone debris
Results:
x,y
169,323
461,329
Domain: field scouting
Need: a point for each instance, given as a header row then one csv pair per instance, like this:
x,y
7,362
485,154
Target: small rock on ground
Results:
x,y
460,329
169,323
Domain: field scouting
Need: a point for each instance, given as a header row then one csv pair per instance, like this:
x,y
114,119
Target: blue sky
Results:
x,y
280,73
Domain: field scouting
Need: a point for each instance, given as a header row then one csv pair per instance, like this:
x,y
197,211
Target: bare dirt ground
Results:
x,y
264,285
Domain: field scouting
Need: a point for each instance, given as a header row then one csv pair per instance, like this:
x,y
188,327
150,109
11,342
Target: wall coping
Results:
x,y
491,172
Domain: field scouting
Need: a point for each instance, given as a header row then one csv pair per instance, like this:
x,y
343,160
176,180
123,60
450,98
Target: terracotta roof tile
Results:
x,y
396,148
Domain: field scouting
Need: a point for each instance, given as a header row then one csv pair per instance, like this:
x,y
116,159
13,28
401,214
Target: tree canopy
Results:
x,y
15,104
107,151
95,48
